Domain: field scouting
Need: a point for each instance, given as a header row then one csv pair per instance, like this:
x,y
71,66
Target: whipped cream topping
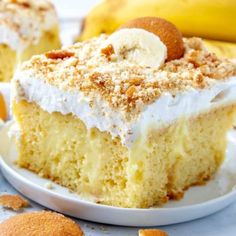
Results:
x,y
164,111
22,22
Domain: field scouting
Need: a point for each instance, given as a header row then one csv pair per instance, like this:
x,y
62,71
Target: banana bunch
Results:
x,y
214,20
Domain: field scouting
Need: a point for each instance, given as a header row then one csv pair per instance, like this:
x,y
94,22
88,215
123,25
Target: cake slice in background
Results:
x,y
126,119
27,28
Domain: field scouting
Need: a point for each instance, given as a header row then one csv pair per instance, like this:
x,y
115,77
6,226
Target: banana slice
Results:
x,y
138,46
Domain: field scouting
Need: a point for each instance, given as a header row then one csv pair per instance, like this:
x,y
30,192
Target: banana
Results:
x,y
221,49
137,46
206,19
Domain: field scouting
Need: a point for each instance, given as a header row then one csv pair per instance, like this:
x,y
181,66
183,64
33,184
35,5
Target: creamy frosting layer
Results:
x,y
164,111
22,22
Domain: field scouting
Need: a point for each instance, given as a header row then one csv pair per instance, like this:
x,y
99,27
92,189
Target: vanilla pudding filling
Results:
x,y
161,113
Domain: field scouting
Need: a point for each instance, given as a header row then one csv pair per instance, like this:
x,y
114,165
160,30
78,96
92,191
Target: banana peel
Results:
x,y
221,49
207,19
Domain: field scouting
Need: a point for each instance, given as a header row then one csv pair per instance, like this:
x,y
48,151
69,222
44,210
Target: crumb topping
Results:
x,y
108,51
27,17
151,232
125,86
59,54
14,202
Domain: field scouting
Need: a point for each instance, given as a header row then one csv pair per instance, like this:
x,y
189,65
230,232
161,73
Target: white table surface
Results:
x,y
220,224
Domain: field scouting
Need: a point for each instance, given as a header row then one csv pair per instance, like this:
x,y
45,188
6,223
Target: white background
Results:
x,y
71,13
73,9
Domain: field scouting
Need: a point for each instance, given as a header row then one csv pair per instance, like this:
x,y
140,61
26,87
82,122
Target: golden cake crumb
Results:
x,y
14,202
152,232
130,91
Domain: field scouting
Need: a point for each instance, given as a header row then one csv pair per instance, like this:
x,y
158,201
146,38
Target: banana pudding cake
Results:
x,y
27,27
131,119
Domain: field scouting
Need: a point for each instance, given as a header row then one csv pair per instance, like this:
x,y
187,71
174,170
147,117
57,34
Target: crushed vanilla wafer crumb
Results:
x,y
108,51
59,54
14,202
151,232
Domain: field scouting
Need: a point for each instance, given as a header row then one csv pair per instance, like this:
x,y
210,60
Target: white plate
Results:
x,y
198,201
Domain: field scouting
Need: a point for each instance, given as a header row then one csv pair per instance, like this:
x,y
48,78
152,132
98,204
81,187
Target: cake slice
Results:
x,y
27,27
129,128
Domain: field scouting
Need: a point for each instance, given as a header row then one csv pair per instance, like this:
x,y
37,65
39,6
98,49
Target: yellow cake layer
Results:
x,y
10,59
7,62
90,162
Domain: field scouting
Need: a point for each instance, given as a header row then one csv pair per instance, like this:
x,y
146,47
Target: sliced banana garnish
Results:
x,y
138,46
